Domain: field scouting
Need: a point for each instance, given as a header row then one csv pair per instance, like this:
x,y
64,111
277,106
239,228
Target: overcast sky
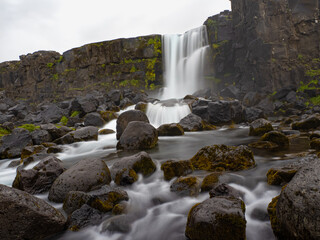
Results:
x,y
27,26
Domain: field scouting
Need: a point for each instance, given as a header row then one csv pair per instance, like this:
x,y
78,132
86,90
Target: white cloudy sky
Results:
x,y
30,25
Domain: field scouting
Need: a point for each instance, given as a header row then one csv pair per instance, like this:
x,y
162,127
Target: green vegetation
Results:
x,y
60,59
50,65
133,69
29,127
4,131
55,76
156,42
309,86
315,100
64,120
74,113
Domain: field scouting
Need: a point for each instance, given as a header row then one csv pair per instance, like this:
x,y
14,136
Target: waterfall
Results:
x,y
183,62
184,59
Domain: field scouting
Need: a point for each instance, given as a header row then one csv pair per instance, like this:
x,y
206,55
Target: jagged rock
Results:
x,y
13,144
138,136
40,136
86,176
125,118
94,119
298,200
104,199
186,186
84,105
223,158
276,137
172,129
51,114
217,218
173,169
311,122
83,134
191,123
125,170
260,127
40,178
209,182
24,216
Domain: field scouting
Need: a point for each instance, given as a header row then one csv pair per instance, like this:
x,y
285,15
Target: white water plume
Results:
x,y
184,58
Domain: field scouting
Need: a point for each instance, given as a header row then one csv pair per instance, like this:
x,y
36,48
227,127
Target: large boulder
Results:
x,y
223,158
94,119
40,136
40,178
186,186
125,170
89,133
311,122
191,123
225,112
276,137
260,127
295,214
172,129
51,114
138,136
12,145
86,175
24,216
217,218
84,105
125,118
173,169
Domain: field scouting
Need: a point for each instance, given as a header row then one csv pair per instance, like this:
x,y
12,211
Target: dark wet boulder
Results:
x,y
276,137
217,218
83,217
298,200
51,114
172,129
210,181
191,123
40,136
311,122
223,158
138,136
283,174
20,110
12,145
224,190
6,118
115,96
94,119
108,115
252,113
125,170
40,178
89,133
260,127
173,169
86,175
125,118
225,112
103,199
186,186
84,105
24,216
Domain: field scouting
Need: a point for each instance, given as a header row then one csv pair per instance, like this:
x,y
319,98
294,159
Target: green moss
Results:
x,y
156,42
133,69
276,137
173,169
4,131
60,59
315,100
300,57
313,73
74,113
29,127
50,65
64,120
280,177
55,76
272,211
209,182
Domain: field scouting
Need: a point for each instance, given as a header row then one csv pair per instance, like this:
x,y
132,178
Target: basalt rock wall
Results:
x,y
266,45
47,75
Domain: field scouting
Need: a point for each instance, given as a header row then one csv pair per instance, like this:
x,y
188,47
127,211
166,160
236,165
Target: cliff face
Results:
x,y
266,45
134,63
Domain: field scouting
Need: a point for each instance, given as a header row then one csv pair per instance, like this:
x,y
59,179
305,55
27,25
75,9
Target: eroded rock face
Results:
x,y
299,200
223,158
85,176
217,218
24,216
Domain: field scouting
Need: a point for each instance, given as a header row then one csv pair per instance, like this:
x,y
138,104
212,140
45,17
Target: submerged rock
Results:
x,y
125,118
24,216
86,175
223,158
125,170
138,136
173,169
217,218
40,178
260,127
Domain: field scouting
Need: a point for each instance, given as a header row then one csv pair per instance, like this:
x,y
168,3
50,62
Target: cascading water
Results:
x,y
184,59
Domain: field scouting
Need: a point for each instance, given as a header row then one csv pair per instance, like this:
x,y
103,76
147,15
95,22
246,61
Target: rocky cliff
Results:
x,y
266,45
134,63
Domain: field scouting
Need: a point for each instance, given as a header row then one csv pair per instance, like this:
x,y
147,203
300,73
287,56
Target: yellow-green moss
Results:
x,y
4,131
29,127
64,120
74,113
209,182
272,211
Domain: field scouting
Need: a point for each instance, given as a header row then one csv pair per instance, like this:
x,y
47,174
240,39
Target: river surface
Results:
x,y
156,213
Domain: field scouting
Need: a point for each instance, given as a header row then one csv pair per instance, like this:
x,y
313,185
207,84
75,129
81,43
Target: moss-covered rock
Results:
x,y
108,115
315,144
264,145
30,150
173,169
306,124
186,186
260,127
142,106
276,137
172,129
280,176
210,181
223,158
106,131
217,218
272,211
